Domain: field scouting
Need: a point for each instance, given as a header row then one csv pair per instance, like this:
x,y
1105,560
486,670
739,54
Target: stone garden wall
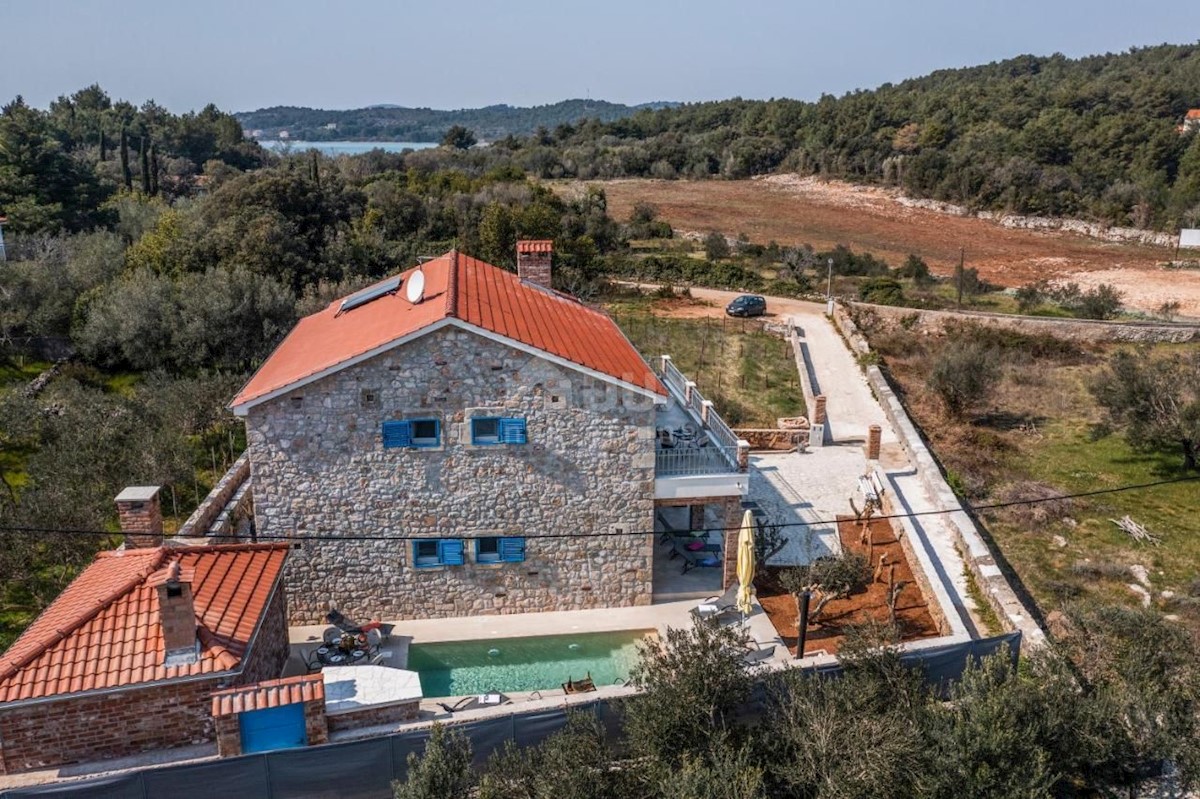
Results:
x,y
319,468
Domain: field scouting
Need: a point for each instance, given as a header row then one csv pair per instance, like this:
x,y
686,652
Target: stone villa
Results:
x,y
460,440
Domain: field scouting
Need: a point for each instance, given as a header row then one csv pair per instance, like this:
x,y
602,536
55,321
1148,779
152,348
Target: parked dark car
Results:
x,y
747,305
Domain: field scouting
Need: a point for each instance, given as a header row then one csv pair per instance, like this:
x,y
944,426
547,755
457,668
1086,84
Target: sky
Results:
x,y
248,54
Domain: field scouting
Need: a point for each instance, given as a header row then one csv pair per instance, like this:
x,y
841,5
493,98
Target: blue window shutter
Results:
x,y
512,431
397,434
452,552
512,550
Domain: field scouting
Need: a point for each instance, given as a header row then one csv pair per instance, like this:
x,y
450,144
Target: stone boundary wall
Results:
x,y
770,439
217,509
1084,330
793,337
995,588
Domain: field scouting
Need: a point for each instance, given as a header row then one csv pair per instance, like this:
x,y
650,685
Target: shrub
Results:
x,y
715,246
963,374
916,270
882,291
1048,503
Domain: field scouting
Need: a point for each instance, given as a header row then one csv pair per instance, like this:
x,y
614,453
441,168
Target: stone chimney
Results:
x,y
533,260
176,613
141,516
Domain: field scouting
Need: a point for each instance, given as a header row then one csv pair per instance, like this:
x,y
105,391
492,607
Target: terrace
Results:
x,y
696,453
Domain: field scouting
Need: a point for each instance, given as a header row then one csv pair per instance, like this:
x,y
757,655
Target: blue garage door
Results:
x,y
273,728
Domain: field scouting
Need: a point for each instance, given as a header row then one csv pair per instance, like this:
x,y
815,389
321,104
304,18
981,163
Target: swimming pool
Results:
x,y
460,668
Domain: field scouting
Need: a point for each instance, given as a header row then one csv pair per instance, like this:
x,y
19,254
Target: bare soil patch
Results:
x,y
827,213
912,611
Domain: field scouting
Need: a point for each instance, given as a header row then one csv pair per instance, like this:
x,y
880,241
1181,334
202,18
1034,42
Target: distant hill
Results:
x,y
396,123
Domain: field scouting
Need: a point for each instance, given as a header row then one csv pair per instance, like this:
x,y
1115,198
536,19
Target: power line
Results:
x,y
624,533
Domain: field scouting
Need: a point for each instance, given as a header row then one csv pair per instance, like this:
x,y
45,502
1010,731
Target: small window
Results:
x,y
369,398
297,403
426,432
497,430
429,552
499,550
485,430
487,550
412,433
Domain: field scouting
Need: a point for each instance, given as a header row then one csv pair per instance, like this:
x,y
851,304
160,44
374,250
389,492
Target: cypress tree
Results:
x,y
153,168
145,166
125,160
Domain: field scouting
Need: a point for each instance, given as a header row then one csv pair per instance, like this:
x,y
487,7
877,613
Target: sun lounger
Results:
x,y
756,653
706,557
719,607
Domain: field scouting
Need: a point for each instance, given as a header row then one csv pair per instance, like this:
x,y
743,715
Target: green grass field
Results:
x,y
749,375
1040,426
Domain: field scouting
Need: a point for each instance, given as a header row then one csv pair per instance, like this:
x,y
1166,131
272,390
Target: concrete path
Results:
x,y
818,484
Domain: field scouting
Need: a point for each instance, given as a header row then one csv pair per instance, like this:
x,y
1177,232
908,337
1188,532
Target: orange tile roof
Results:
x,y
535,245
103,630
457,288
1193,114
269,693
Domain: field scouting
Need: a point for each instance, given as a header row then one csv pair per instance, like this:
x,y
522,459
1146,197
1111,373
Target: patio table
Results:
x,y
334,655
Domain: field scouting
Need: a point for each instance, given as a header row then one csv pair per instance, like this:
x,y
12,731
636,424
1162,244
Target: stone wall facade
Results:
x,y
319,468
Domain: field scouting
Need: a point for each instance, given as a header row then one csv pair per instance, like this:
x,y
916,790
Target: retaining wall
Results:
x,y
995,588
1071,329
218,513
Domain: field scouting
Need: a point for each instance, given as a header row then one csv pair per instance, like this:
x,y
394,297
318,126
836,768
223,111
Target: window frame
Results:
x,y
425,442
486,441
487,557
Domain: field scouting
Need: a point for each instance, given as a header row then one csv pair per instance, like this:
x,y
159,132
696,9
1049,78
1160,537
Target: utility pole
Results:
x,y
958,274
829,287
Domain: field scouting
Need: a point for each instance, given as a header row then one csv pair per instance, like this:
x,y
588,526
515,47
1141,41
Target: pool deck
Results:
x,y
656,618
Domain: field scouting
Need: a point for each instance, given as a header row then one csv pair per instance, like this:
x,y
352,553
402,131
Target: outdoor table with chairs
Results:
x,y
344,649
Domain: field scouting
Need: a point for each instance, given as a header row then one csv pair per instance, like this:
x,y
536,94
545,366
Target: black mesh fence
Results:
x,y
365,769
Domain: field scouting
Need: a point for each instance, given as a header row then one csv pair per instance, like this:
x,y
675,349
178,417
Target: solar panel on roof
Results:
x,y
358,298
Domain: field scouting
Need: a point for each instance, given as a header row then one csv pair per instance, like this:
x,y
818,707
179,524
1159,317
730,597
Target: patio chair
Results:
x,y
586,685
311,661
336,618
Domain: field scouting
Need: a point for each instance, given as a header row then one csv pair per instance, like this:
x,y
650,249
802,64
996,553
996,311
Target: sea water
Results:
x,y
344,147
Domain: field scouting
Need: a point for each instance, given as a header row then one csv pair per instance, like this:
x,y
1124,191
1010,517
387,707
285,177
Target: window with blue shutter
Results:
x,y
412,433
512,550
397,434
499,550
512,431
430,552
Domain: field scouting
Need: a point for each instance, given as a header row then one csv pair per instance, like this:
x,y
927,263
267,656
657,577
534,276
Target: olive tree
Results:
x,y
1156,400
963,373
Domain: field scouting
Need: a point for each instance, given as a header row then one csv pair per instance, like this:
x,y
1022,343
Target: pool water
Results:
x,y
460,668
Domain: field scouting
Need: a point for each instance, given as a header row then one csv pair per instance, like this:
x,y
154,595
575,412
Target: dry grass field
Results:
x,y
792,210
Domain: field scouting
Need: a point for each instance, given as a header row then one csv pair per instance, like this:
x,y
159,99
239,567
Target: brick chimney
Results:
x,y
533,260
141,516
176,613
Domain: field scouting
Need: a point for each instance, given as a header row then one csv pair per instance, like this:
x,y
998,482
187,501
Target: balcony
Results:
x,y
696,454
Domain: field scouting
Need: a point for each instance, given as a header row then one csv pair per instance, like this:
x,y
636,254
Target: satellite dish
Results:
x,y
415,290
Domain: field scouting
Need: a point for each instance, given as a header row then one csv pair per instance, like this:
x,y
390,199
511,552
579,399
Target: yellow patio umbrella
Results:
x,y
745,564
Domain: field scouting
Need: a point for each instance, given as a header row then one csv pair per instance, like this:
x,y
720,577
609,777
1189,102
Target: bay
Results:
x,y
344,147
